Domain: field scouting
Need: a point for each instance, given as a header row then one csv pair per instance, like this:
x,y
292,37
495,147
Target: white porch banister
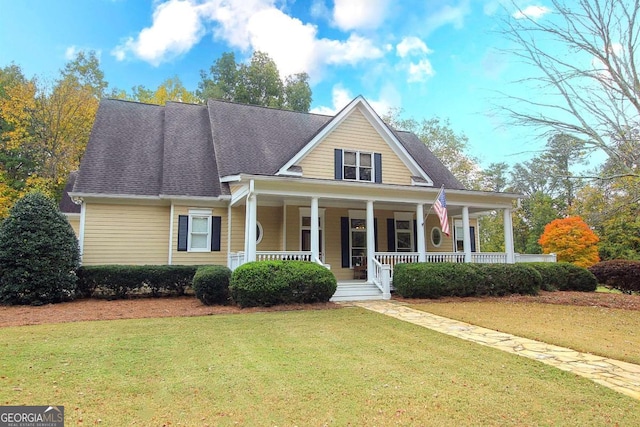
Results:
x,y
382,278
284,256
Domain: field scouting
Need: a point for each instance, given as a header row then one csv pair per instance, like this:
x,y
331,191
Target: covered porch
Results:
x,y
358,231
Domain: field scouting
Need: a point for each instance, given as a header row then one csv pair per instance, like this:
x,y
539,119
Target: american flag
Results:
x,y
440,206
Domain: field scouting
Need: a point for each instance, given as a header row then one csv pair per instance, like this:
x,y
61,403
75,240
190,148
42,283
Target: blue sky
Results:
x,y
430,58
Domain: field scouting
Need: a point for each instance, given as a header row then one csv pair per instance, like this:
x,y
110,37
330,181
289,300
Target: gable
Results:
x,y
354,133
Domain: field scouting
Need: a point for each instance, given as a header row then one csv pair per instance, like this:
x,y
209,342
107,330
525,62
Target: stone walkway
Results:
x,y
620,376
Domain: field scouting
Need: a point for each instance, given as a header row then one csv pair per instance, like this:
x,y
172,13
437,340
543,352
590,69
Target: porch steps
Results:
x,y
356,291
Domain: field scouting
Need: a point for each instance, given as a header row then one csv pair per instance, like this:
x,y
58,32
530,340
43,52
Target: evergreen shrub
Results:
x,y
211,284
434,280
123,281
268,283
39,253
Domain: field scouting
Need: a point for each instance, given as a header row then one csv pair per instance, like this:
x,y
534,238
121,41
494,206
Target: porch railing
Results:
x,y
536,258
236,259
382,278
488,257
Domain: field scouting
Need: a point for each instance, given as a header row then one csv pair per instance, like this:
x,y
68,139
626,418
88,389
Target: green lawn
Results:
x,y
607,332
306,368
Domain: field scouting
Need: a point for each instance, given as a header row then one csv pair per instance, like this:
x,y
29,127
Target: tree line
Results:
x,y
45,124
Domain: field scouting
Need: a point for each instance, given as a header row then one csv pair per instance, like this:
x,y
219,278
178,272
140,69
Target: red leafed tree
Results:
x,y
571,240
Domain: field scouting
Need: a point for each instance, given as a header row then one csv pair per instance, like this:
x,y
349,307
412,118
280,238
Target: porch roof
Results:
x,y
277,190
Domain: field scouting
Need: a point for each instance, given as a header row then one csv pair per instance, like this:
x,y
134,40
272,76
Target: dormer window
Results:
x,y
358,166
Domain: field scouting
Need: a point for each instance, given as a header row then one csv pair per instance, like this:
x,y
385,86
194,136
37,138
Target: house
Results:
x,y
227,183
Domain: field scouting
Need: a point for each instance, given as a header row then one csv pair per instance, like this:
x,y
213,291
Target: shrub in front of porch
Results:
x,y
267,283
434,280
211,284
123,281
564,276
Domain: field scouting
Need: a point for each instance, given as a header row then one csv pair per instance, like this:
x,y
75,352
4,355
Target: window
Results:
x,y
436,236
459,237
358,166
199,238
357,238
404,231
199,231
305,230
259,232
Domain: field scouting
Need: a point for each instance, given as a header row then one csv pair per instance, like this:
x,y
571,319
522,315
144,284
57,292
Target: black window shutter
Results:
x,y
472,231
391,235
377,161
344,241
216,225
375,234
337,154
415,235
183,232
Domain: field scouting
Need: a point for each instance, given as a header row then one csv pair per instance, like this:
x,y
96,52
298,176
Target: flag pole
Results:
x,y
424,219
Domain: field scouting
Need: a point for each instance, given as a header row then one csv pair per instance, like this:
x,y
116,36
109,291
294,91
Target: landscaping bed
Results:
x,y
94,309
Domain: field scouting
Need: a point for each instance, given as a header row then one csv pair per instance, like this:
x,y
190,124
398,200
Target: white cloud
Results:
x,y
176,27
411,44
421,71
388,98
448,15
340,97
246,25
359,14
319,9
531,12
70,52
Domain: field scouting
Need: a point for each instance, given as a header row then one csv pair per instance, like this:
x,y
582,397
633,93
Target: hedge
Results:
x,y
211,285
623,275
268,283
434,280
564,276
122,281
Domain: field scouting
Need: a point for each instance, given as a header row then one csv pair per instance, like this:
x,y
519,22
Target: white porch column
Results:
x,y
422,248
508,236
250,228
315,230
466,234
371,243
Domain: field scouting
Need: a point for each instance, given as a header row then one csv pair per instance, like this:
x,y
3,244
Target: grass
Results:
x,y
608,332
308,368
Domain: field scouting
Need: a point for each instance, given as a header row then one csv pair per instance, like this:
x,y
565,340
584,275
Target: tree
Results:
x,y
47,125
39,253
571,240
171,89
585,54
257,83
447,145
612,208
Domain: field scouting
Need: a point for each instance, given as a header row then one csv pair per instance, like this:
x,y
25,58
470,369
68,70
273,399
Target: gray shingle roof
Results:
x,y
184,149
258,140
66,204
189,168
125,151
